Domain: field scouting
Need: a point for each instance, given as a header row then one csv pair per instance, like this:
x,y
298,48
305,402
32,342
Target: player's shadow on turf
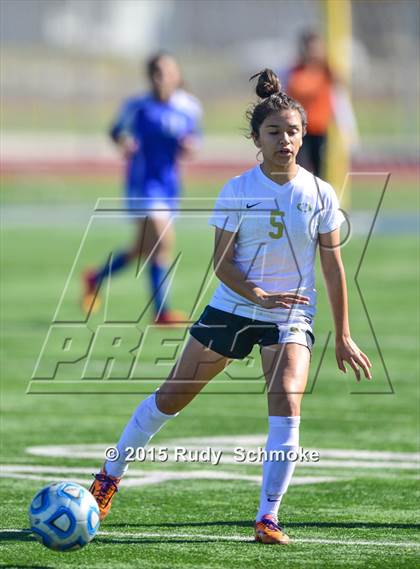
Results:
x,y
151,540
250,523
25,566
23,535
238,523
352,525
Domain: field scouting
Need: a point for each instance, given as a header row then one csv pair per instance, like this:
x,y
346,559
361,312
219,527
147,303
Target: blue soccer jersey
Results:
x,y
159,129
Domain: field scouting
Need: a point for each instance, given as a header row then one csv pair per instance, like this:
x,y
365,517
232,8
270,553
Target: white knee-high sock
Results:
x,y
145,422
283,435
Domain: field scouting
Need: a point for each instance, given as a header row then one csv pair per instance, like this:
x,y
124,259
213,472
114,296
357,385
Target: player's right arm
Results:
x,y
121,130
228,272
127,145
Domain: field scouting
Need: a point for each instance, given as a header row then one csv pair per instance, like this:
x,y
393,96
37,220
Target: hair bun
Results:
x,y
268,83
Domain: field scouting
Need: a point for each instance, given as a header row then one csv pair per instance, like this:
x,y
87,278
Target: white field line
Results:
x,y
325,464
240,538
135,479
329,458
147,477
251,539
39,477
223,443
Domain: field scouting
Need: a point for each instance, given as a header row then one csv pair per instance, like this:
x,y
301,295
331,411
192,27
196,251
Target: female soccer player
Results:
x,y
268,223
153,132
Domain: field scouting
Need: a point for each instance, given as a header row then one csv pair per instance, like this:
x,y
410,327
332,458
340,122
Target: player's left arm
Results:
x,y
190,143
346,349
188,146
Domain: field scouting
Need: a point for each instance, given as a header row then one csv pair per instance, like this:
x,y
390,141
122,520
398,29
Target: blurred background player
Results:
x,y
153,132
313,83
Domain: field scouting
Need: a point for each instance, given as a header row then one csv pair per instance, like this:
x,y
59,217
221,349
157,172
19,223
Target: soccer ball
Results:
x,y
64,516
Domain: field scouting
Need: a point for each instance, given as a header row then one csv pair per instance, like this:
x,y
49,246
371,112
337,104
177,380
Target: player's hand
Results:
x,y
278,299
347,351
188,147
128,146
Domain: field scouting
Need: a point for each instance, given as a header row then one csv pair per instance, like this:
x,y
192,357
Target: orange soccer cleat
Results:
x,y
90,298
171,318
268,531
103,489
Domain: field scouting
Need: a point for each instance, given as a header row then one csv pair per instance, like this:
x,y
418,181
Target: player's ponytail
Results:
x,y
272,99
268,83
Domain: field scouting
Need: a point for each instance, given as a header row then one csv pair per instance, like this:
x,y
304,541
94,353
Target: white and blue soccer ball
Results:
x,y
64,516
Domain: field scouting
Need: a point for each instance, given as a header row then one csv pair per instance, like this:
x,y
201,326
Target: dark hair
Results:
x,y
273,99
152,62
307,36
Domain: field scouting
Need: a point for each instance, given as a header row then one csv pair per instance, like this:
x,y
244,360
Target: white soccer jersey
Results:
x,y
277,230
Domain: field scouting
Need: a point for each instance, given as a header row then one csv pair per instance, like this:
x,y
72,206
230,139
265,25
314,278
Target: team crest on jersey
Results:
x,y
304,207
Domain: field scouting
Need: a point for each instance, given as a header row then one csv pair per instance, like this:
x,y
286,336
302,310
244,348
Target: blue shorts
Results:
x,y
151,206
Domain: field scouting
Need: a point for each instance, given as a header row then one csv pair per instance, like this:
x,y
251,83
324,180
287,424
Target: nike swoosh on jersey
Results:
x,y
248,206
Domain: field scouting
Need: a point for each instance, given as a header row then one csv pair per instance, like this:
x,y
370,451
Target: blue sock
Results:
x,y
157,274
114,264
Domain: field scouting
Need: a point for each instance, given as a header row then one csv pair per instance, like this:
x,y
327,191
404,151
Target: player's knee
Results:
x,y
133,253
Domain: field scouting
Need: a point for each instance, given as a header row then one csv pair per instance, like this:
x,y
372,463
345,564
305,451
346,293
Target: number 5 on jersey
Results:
x,y
276,223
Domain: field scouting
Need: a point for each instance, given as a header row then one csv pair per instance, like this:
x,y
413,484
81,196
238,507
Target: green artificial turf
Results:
x,y
365,517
